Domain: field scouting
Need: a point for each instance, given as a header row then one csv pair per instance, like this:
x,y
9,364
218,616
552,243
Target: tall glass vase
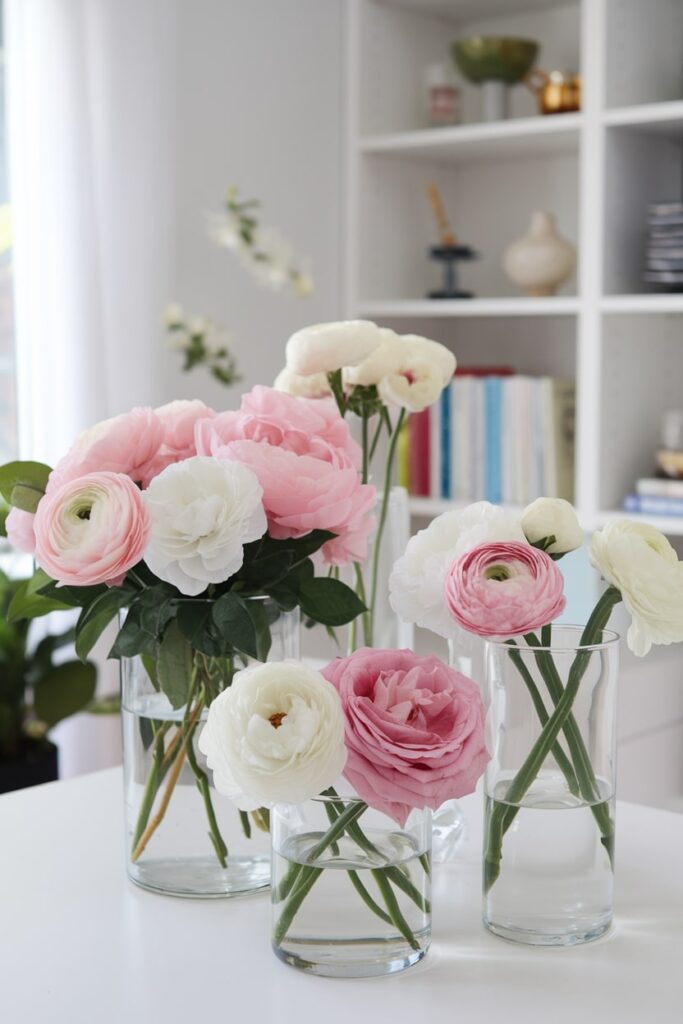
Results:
x,y
182,838
549,787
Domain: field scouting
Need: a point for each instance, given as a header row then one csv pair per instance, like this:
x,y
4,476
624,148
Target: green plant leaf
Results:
x,y
74,597
63,691
24,477
195,623
258,614
94,619
329,601
235,624
132,639
26,605
174,666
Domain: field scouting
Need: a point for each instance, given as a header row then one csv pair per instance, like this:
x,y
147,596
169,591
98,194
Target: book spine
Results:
x,y
653,506
403,457
445,408
435,450
492,443
656,488
419,453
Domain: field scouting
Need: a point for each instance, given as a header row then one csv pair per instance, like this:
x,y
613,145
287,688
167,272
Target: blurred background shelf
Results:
x,y
551,306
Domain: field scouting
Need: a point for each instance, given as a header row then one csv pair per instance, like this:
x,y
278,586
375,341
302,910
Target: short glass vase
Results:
x,y
182,837
351,888
549,787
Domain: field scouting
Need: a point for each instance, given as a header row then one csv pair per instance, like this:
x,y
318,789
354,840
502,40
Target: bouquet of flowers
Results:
x,y
177,518
405,731
494,574
378,376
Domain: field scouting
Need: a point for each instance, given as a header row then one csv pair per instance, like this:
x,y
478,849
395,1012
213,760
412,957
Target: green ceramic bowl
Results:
x,y
494,58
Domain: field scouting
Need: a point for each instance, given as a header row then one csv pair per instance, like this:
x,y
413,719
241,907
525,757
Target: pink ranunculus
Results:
x,y
91,530
179,419
306,462
414,729
504,589
127,444
19,527
282,420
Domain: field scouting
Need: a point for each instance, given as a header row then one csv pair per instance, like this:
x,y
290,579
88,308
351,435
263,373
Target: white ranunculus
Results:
x,y
434,352
414,385
315,386
639,561
275,735
324,348
203,513
400,352
416,584
552,517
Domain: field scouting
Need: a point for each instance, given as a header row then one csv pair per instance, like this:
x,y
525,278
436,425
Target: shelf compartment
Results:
x,y
462,10
659,118
525,137
464,308
644,52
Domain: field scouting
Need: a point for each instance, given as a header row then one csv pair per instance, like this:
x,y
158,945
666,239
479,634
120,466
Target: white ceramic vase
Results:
x,y
542,260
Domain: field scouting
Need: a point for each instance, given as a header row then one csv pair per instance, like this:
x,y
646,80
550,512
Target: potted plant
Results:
x,y
35,693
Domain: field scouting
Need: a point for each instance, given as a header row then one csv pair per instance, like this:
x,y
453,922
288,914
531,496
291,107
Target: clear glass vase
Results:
x,y
183,838
351,888
549,788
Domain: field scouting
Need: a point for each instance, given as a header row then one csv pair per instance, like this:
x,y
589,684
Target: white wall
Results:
x,y
258,105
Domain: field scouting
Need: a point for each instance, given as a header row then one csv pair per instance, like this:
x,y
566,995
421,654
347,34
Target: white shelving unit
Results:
x,y
597,170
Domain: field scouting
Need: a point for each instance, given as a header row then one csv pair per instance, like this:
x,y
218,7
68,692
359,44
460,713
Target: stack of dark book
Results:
x,y
664,261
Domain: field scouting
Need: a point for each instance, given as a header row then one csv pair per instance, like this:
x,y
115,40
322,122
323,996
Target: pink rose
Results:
x,y
414,729
179,419
504,589
91,530
306,462
19,527
127,444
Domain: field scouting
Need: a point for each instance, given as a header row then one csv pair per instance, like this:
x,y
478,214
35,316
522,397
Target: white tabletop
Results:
x,y
79,944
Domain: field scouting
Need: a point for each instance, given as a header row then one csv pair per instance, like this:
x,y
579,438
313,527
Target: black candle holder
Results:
x,y
449,256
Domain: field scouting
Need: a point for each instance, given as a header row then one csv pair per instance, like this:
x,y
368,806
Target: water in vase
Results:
x,y
556,879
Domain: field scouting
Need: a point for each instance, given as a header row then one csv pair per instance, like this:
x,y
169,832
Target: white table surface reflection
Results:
x,y
79,944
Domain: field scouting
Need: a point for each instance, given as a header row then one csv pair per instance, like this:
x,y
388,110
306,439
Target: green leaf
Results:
x,y
63,691
329,601
132,639
259,616
26,498
235,624
150,667
174,666
195,623
94,619
74,597
25,605
24,477
284,596
158,605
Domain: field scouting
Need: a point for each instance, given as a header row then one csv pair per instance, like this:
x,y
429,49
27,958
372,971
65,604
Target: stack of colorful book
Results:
x,y
496,435
656,496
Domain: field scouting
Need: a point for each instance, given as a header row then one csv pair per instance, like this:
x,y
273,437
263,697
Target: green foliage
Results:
x,y
22,484
34,692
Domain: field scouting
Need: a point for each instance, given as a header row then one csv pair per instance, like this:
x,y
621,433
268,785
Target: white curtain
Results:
x,y
91,149
90,110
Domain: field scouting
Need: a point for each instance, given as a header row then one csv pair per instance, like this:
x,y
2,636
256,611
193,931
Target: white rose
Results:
x,y
552,517
315,386
275,735
639,561
203,513
400,352
416,584
323,348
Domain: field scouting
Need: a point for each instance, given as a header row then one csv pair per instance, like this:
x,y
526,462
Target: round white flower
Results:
x,y
323,348
639,561
552,517
399,352
414,385
275,735
315,386
173,315
203,513
416,584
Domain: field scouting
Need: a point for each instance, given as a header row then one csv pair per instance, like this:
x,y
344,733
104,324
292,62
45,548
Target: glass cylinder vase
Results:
x,y
351,888
549,787
182,837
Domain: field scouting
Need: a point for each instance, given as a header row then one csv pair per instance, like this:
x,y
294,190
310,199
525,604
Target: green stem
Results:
x,y
204,788
375,440
367,898
558,753
289,911
389,897
388,476
154,780
502,814
352,812
365,617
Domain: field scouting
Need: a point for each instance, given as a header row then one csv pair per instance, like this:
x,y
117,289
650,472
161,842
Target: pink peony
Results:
x,y
91,530
19,527
127,444
504,589
306,462
179,419
414,729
